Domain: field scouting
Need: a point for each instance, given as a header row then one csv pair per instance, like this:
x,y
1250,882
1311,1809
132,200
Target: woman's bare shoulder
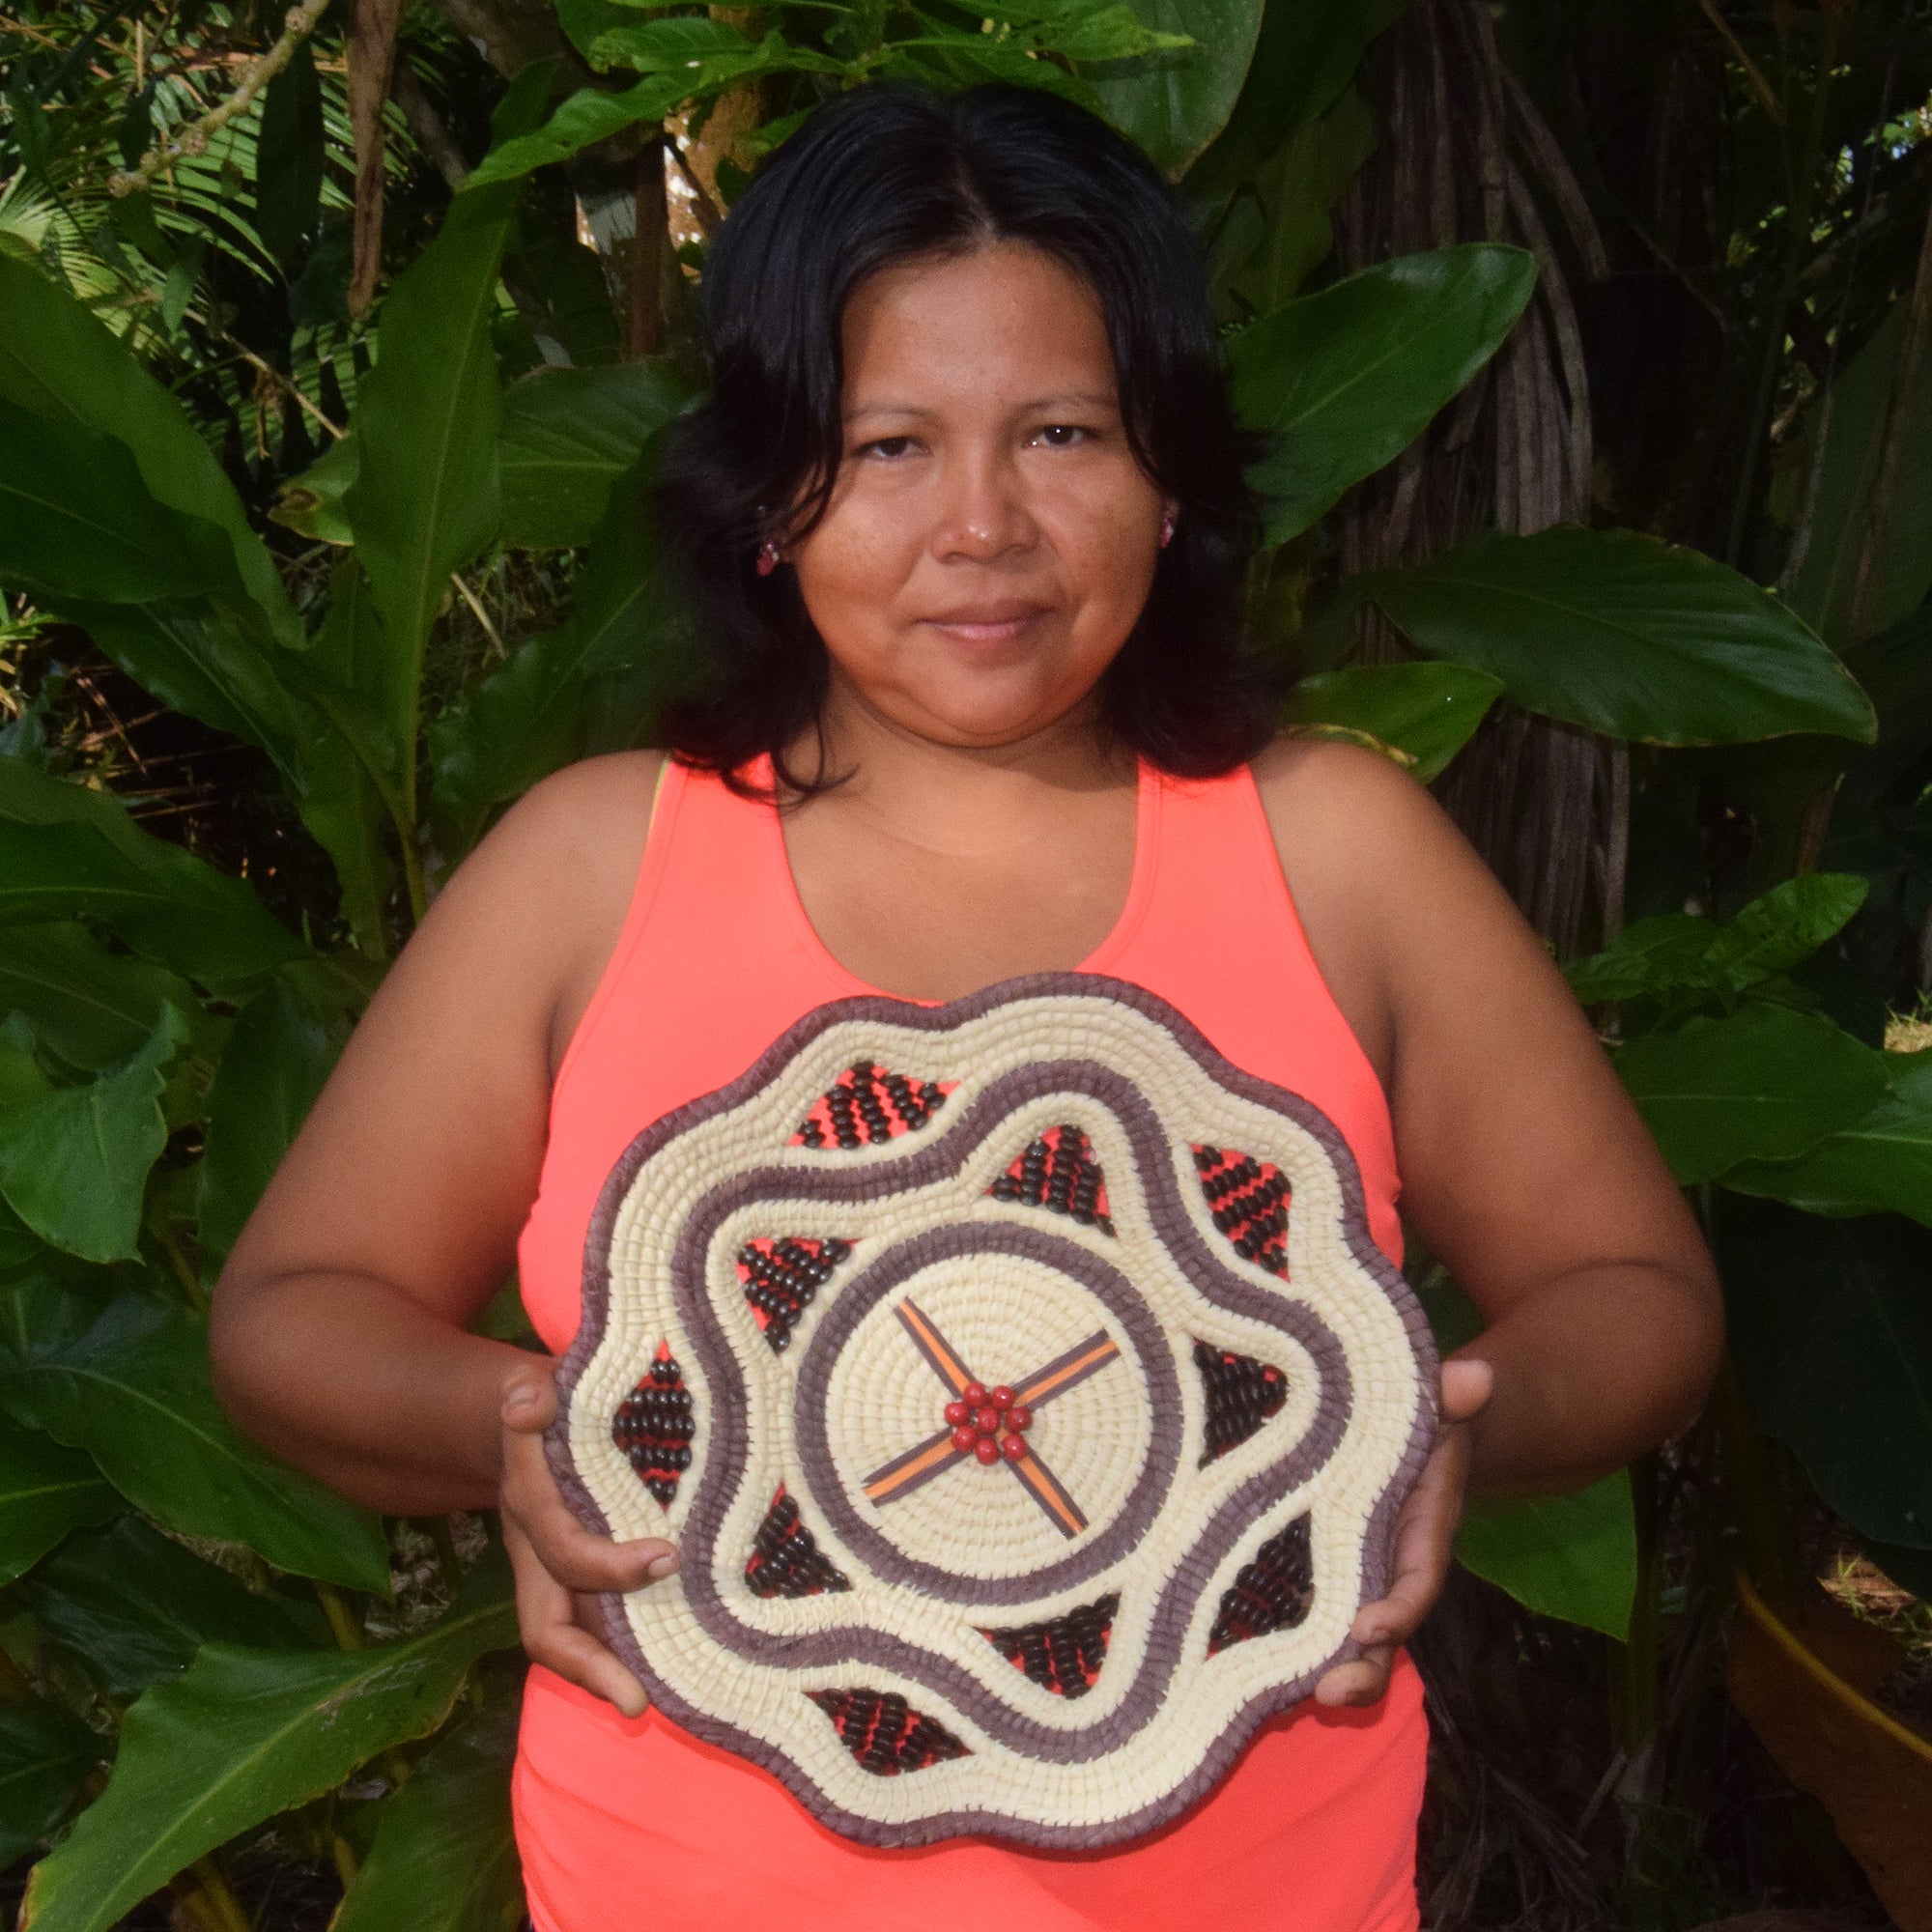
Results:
x,y
565,846
1353,826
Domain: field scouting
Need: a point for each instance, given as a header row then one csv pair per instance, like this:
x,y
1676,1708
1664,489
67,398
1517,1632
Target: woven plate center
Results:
x,y
1001,1320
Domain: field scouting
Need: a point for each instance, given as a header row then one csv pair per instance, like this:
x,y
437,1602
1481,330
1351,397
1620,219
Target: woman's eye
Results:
x,y
1061,435
888,448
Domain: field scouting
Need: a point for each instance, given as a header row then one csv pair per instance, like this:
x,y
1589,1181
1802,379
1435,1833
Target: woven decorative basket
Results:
x,y
1026,1399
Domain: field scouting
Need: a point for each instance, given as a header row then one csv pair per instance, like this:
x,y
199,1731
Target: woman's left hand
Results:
x,y
1424,1537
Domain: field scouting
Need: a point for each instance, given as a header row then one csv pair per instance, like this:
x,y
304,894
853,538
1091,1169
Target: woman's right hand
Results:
x,y
560,1566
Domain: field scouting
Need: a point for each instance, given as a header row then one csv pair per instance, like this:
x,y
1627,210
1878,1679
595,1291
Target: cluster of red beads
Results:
x,y
988,1423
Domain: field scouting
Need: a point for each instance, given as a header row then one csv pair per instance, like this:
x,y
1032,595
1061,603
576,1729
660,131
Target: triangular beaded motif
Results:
x,y
869,1104
782,1274
785,1559
1059,1170
1064,1653
1249,1200
653,1427
885,1735
1243,1392
1272,1593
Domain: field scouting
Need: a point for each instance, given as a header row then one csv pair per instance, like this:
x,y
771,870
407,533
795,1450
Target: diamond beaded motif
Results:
x,y
1041,1407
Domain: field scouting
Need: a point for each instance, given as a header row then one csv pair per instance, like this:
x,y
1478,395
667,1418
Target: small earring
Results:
x,y
768,558
1166,528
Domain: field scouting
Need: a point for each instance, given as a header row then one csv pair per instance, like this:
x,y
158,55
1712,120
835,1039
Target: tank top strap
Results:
x,y
1219,937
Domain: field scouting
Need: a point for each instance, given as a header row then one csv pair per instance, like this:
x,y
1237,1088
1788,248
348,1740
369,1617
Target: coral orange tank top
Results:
x,y
633,1821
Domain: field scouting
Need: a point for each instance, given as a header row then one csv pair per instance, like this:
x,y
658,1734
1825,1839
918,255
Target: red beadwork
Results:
x,y
957,1413
986,1450
986,1420
1014,1448
964,1437
1002,1397
1019,1416
974,1394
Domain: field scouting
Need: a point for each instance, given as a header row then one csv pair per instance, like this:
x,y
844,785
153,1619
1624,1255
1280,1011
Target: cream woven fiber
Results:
x,y
1009,1286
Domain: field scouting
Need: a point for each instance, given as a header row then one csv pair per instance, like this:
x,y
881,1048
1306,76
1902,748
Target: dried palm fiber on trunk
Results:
x,y
1465,158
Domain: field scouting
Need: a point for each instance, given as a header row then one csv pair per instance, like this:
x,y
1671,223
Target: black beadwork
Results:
x,y
653,1427
1064,1653
868,1104
884,1733
1250,1200
1242,1392
1057,1171
785,1559
1272,1593
781,1278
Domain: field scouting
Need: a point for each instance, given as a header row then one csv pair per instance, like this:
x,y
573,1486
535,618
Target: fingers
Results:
x,y
529,1403
1423,1547
1364,1681
547,1616
1468,1383
575,1557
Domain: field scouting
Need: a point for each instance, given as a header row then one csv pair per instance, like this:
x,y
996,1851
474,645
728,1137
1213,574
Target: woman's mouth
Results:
x,y
992,622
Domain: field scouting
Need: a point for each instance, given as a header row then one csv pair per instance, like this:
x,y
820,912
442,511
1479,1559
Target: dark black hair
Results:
x,y
883,175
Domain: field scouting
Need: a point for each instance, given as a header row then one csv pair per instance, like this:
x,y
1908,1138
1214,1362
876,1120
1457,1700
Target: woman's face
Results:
x,y
990,538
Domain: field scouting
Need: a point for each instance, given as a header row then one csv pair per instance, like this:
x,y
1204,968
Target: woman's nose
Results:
x,y
982,513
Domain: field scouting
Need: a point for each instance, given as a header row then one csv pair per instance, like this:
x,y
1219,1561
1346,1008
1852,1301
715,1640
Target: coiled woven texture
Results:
x,y
1049,1408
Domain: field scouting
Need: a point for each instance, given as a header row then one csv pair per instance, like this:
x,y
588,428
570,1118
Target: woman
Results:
x,y
964,526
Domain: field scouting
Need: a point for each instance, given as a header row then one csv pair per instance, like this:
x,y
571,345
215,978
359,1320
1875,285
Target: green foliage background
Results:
x,y
404,559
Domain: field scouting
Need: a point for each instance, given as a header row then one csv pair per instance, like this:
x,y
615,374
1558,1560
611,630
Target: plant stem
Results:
x,y
212,1899
344,1859
343,1624
190,1282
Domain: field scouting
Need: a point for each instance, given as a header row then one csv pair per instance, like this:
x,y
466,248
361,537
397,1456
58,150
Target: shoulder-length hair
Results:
x,y
883,175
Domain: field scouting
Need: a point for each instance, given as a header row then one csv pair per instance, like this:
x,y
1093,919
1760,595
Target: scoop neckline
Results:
x,y
1140,889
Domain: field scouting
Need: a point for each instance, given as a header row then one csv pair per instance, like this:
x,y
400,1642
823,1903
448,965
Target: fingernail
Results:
x,y
661,1567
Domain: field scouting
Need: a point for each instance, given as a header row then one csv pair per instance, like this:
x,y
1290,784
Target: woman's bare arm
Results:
x,y
338,1334
1524,1166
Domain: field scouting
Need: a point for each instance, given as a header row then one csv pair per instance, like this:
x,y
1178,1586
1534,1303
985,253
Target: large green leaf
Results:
x,y
346,674
1277,231
1831,1324
90,1006
445,1859
74,1164
132,1607
1304,57
1346,379
1677,953
58,361
1175,103
527,717
426,497
1425,711
76,519
128,1384
275,1062
45,1490
1842,508
1571,1556
1621,634
1764,1083
311,504
67,851
1881,1163
45,1755
568,435
590,115
247,1734
193,658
